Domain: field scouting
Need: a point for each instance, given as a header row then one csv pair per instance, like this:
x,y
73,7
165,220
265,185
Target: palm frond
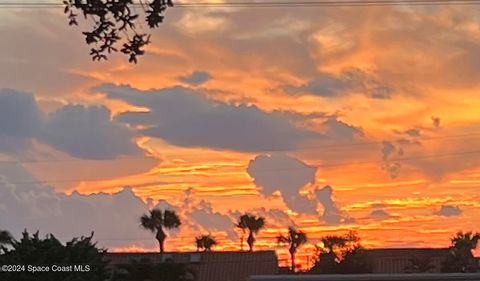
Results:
x,y
171,219
148,223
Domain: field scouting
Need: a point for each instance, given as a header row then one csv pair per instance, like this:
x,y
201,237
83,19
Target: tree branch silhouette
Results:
x,y
110,19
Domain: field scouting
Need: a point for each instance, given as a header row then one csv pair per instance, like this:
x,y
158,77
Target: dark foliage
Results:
x,y
156,221
353,261
112,18
460,257
326,264
5,239
144,270
253,224
294,239
35,251
205,242
342,255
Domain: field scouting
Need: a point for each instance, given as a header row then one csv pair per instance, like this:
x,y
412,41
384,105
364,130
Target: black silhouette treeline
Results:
x,y
336,254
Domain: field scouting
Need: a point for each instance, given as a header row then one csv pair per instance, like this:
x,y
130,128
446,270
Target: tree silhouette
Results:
x,y
253,224
329,254
112,18
460,257
341,254
35,251
294,239
355,261
332,243
205,242
145,270
157,220
5,239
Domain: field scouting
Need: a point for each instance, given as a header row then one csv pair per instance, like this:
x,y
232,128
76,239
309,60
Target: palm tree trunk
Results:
x,y
241,240
161,236
250,241
292,257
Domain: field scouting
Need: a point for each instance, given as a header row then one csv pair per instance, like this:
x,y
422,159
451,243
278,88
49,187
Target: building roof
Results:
x,y
372,277
398,260
211,266
407,252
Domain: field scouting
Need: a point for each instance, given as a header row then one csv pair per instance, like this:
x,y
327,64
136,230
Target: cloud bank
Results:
x,y
86,132
186,118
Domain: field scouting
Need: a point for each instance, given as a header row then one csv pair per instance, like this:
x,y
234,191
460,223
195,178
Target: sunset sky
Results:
x,y
329,118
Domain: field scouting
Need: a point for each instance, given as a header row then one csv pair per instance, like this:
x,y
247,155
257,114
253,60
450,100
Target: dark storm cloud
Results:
x,y
81,131
186,118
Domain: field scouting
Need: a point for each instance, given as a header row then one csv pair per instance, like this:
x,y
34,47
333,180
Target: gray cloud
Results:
x,y
20,120
113,217
81,131
449,211
19,114
331,213
273,217
209,220
88,132
392,167
198,216
186,118
350,81
280,172
196,78
379,214
338,129
164,205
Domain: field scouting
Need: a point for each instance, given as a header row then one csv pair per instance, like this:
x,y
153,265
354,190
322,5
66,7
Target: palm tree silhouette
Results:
x,y
466,240
253,224
205,242
295,239
157,220
460,257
